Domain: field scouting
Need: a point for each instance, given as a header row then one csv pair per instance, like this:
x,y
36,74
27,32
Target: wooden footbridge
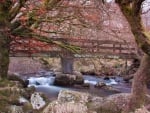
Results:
x,y
88,48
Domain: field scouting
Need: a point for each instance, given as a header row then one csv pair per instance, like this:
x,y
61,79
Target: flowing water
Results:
x,y
44,83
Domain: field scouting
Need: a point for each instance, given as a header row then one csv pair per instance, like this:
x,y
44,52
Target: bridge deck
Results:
x,y
89,48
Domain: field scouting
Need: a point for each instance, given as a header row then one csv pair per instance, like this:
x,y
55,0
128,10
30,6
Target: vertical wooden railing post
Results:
x,y
120,48
113,48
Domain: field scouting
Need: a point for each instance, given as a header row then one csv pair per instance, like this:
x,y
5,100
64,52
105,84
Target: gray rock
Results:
x,y
67,107
142,110
106,87
112,89
16,109
37,101
100,85
73,96
86,85
77,102
68,79
69,102
23,100
79,79
64,79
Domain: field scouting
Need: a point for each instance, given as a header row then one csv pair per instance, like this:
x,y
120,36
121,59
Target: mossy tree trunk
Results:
x,y
132,11
4,38
139,85
4,54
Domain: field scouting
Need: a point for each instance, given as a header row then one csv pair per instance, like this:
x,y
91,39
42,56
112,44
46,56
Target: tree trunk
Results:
x,y
4,54
131,9
139,86
141,78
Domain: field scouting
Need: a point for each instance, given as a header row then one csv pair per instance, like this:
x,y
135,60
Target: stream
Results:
x,y
43,82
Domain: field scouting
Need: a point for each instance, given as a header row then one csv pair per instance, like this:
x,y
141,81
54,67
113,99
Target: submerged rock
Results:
x,y
37,101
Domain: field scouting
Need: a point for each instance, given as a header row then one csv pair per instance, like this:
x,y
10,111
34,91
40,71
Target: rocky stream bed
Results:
x,y
45,81
91,94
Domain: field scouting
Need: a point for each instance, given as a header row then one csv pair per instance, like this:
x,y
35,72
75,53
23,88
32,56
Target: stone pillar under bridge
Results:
x,y
67,59
67,64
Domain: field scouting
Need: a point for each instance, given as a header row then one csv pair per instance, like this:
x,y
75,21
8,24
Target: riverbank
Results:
x,y
95,66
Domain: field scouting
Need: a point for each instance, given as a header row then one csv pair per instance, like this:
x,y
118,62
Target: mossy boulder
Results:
x,y
10,94
23,83
16,109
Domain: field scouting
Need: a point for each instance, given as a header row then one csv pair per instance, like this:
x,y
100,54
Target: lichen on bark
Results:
x,y
139,86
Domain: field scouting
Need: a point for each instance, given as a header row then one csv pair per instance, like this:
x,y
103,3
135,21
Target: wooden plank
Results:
x,y
98,41
57,54
89,47
111,48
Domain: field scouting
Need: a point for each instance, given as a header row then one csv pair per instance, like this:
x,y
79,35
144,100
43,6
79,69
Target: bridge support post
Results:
x,y
67,59
67,65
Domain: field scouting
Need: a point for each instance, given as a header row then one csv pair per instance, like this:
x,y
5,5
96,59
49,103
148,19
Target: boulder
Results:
x,y
111,104
86,85
79,79
69,102
37,101
26,83
128,78
19,79
64,79
104,86
77,102
106,78
112,89
67,107
16,109
100,85
77,73
68,79
23,100
27,92
73,96
142,110
83,86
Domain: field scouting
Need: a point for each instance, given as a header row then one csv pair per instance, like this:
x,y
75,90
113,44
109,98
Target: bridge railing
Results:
x,y
88,48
